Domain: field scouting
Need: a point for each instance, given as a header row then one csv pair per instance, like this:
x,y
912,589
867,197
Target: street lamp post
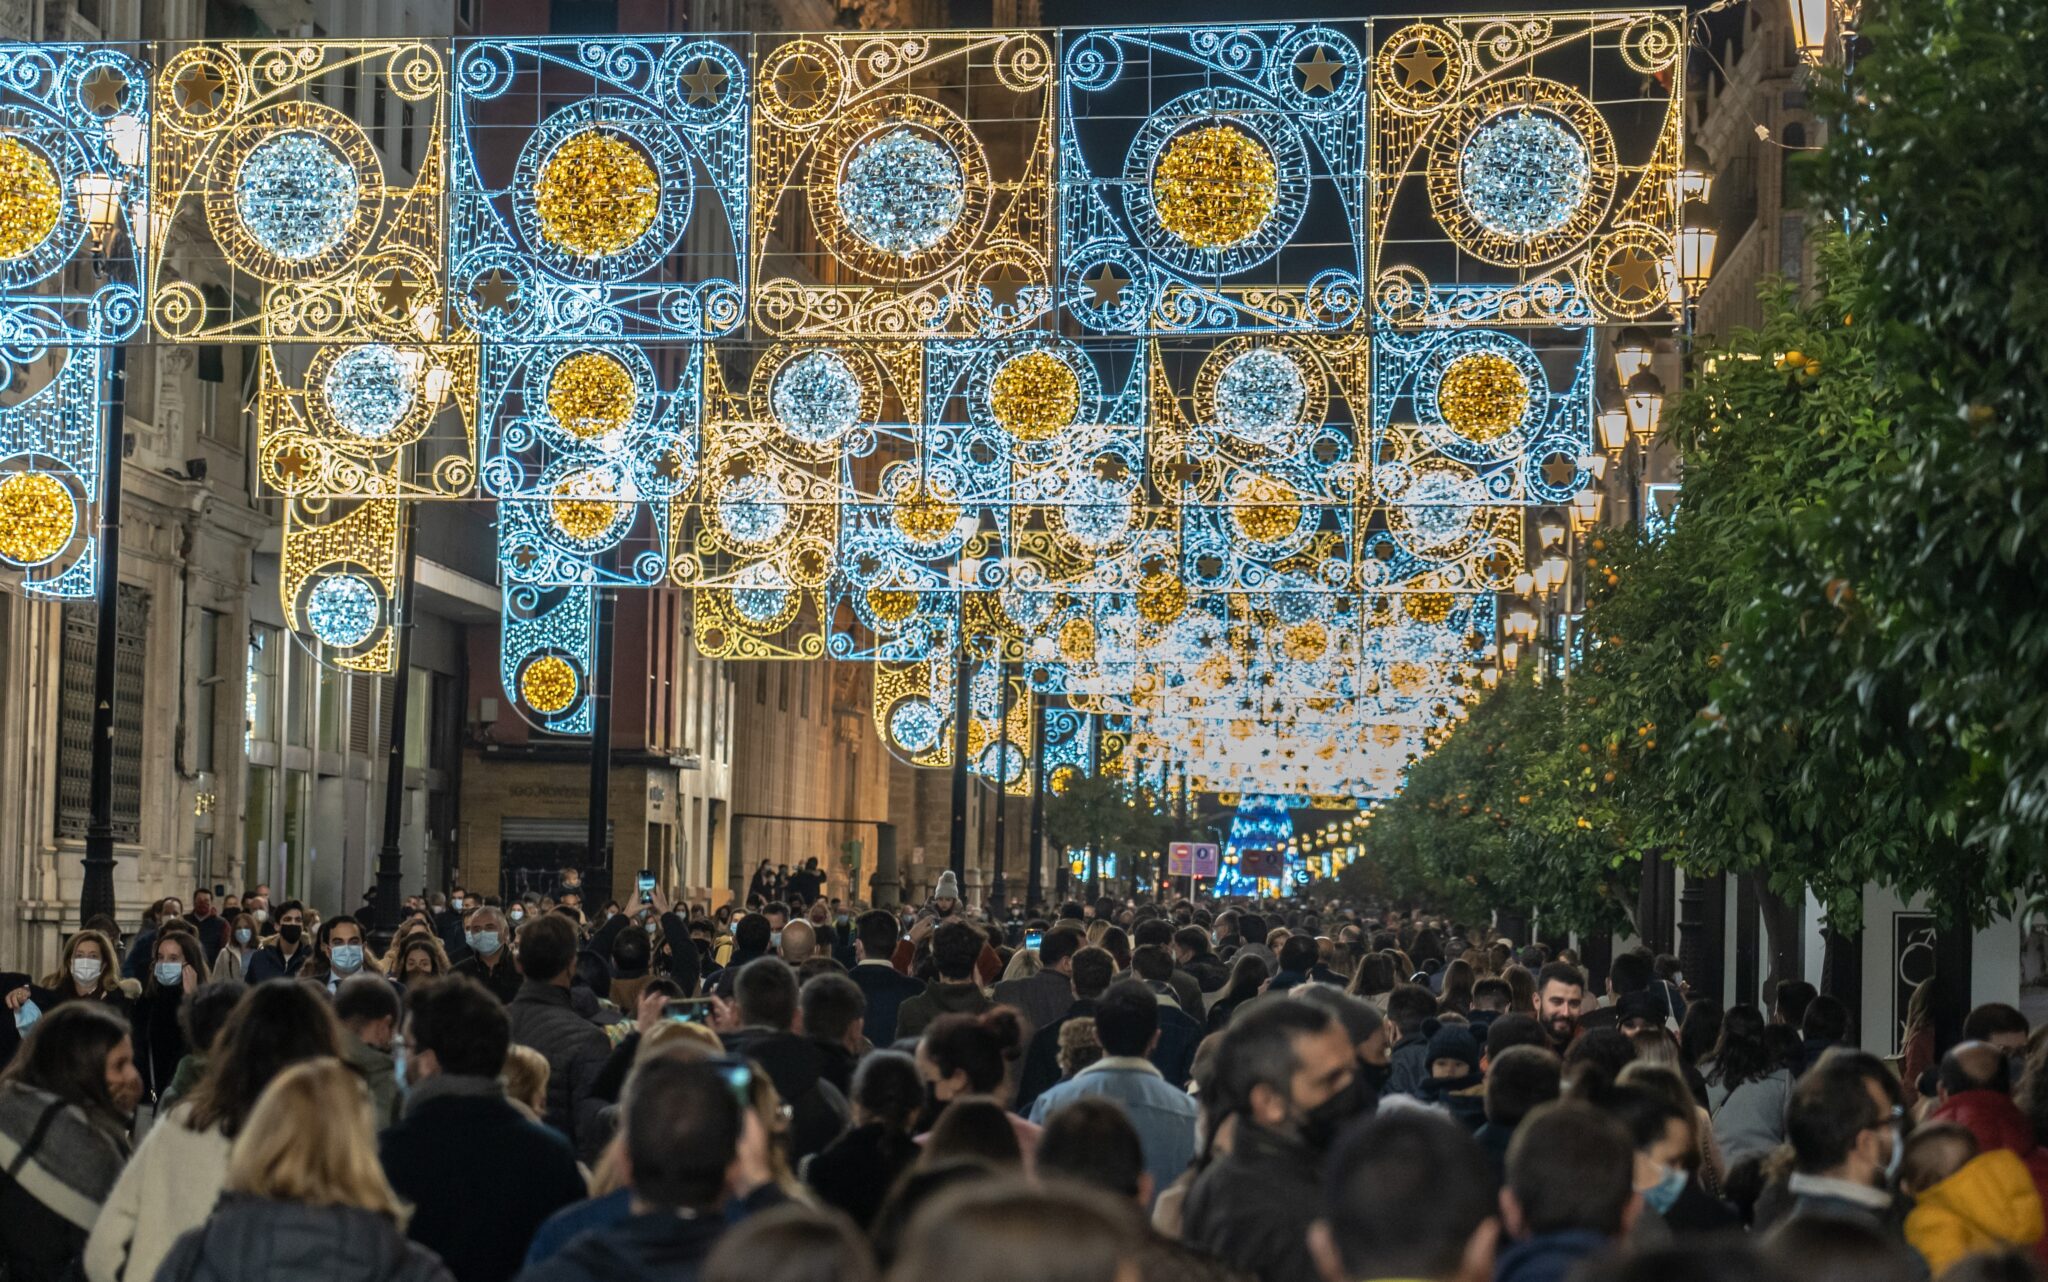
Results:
x,y
391,856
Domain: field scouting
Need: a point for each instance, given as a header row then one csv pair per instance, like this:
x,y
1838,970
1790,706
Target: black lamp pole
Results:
x,y
96,896
599,838
391,857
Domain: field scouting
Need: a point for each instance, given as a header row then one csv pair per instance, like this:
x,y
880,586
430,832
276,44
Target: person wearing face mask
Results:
x,y
207,923
232,962
285,956
178,970
86,973
1285,1070
490,962
143,946
1847,1132
339,954
65,1106
1673,1203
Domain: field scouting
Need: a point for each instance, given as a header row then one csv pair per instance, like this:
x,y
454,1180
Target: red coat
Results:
x,y
1997,1122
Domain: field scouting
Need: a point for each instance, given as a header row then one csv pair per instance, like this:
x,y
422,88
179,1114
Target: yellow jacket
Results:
x,y
1989,1204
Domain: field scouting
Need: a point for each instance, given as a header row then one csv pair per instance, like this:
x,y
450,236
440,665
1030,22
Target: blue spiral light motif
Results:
x,y
816,397
902,192
914,724
1260,394
342,611
1524,174
297,195
369,389
752,510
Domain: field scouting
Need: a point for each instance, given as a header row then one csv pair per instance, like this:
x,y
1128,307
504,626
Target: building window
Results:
x,y
583,17
206,692
803,698
1792,248
74,715
266,646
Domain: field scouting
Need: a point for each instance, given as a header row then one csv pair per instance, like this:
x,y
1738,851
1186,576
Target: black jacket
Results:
x,y
480,1177
944,997
1252,1207
659,1246
886,989
503,982
249,1239
857,1170
794,1063
269,962
576,1051
1209,973
1041,1071
159,1042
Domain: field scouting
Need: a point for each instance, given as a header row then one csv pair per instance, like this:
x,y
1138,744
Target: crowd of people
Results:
x,y
554,1090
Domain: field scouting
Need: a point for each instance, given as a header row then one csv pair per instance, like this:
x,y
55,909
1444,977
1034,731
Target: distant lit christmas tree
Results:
x,y
1262,823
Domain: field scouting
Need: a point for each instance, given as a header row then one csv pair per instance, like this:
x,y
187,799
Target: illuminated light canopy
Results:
x,y
891,605
753,510
1097,512
925,515
591,395
342,611
1215,186
31,199
1033,395
548,685
1260,395
902,191
37,517
1483,395
816,397
1162,598
1266,510
1524,174
297,195
369,389
597,194
587,506
914,725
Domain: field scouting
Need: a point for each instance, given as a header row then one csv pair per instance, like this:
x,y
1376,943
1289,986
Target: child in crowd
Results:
x,y
1965,1201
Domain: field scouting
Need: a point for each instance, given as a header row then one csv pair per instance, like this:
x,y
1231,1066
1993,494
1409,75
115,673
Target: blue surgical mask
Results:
x,y
398,1068
347,958
170,974
483,941
1663,1195
26,1016
242,936
517,916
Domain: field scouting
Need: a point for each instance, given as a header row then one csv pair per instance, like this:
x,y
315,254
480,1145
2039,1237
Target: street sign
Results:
x,y
1262,863
1191,859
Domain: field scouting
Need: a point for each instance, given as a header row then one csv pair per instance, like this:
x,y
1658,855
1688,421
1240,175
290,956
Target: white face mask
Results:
x,y
86,970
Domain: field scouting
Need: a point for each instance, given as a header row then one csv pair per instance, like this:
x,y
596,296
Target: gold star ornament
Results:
x,y
1320,72
102,91
1634,271
1421,69
802,84
497,292
1107,285
200,90
706,84
1005,285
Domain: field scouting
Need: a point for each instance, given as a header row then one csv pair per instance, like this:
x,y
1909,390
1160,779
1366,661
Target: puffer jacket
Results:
x,y
1988,1205
576,1051
1997,1123
252,1239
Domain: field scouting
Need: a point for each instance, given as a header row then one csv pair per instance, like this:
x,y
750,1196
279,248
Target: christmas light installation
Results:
x,y
901,192
370,388
1524,174
296,195
817,397
342,611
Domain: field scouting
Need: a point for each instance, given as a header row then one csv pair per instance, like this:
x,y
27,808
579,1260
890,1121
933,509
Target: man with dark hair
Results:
x,y
834,1014
479,1175
286,954
543,1018
1788,1007
1560,987
1570,1192
1094,970
1192,953
1044,997
956,947
1091,1141
1490,999
1285,1070
874,970
211,927
369,1011
1407,1195
1845,1125
1157,932
1410,1007
1370,1034
1824,1027
1519,1079
752,938
1180,1033
1127,1025
768,1033
1629,972
805,883
1999,1024
696,1160
1298,956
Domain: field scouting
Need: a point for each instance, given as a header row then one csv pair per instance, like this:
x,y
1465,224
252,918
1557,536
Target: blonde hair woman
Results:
x,y
90,971
305,1195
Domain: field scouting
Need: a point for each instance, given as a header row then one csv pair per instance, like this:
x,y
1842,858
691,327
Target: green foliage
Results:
x,y
1104,813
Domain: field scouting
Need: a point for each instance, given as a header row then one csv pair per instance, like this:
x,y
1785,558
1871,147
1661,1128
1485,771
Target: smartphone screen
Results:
x,y
688,1010
646,886
740,1076
1033,940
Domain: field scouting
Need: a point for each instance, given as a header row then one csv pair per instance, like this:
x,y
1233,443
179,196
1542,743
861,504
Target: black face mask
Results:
x,y
291,933
1322,1124
928,1116
1372,1079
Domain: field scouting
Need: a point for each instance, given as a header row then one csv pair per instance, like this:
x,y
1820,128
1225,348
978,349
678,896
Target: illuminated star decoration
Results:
x,y
103,90
706,84
1559,472
1004,286
199,90
1320,72
292,464
1423,69
496,292
1634,271
396,294
1107,284
802,83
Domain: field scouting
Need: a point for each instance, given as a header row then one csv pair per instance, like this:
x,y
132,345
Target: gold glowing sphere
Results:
x,y
1428,607
585,506
1483,395
1077,641
591,394
548,685
926,516
597,195
30,198
1161,598
1034,395
1215,186
892,605
1305,642
1409,678
1267,510
37,517
977,739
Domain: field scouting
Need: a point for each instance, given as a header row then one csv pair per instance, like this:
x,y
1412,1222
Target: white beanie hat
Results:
x,y
948,887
